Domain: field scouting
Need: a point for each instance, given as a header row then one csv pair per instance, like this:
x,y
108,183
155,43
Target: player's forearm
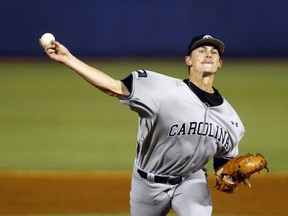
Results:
x,y
56,51
97,78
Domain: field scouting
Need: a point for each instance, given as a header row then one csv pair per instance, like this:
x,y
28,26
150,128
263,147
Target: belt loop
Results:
x,y
151,177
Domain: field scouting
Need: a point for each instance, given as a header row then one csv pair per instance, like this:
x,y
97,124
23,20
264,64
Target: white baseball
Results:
x,y
47,39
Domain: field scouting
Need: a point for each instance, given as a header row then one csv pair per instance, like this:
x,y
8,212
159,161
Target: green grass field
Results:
x,y
51,119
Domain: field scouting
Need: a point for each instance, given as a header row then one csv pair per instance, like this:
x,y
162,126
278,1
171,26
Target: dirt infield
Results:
x,y
87,192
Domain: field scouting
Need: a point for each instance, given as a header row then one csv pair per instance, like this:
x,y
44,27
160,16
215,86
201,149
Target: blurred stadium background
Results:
x,y
51,120
144,28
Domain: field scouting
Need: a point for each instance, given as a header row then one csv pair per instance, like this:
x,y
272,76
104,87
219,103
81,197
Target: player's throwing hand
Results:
x,y
57,51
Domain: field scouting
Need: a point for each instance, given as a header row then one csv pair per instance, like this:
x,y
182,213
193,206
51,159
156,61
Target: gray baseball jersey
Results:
x,y
178,134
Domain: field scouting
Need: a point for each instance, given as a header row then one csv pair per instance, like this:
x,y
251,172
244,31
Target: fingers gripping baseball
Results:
x,y
56,51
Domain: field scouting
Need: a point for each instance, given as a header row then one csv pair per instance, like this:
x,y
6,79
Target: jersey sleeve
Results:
x,y
127,81
146,89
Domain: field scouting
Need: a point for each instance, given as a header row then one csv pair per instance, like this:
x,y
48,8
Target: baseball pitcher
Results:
x,y
183,124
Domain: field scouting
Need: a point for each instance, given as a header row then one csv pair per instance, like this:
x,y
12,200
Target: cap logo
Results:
x,y
207,36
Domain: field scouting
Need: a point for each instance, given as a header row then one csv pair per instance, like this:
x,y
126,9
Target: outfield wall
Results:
x,y
88,192
129,28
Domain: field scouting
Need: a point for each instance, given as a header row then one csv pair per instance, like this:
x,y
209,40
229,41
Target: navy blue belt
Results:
x,y
160,179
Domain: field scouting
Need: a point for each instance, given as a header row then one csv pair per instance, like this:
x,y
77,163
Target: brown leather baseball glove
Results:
x,y
238,170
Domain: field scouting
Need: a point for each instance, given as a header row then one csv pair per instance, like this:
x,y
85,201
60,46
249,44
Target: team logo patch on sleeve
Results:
x,y
142,73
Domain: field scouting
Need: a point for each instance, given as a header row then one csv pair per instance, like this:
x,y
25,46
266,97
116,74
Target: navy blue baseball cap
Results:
x,y
202,40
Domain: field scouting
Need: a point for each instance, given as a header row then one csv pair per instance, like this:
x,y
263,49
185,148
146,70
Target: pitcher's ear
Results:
x,y
220,63
188,61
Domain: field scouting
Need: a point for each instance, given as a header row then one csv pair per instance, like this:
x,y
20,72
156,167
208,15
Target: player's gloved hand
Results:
x,y
238,170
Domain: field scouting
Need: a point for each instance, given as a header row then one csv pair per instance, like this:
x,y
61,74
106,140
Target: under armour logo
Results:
x,y
234,123
207,36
